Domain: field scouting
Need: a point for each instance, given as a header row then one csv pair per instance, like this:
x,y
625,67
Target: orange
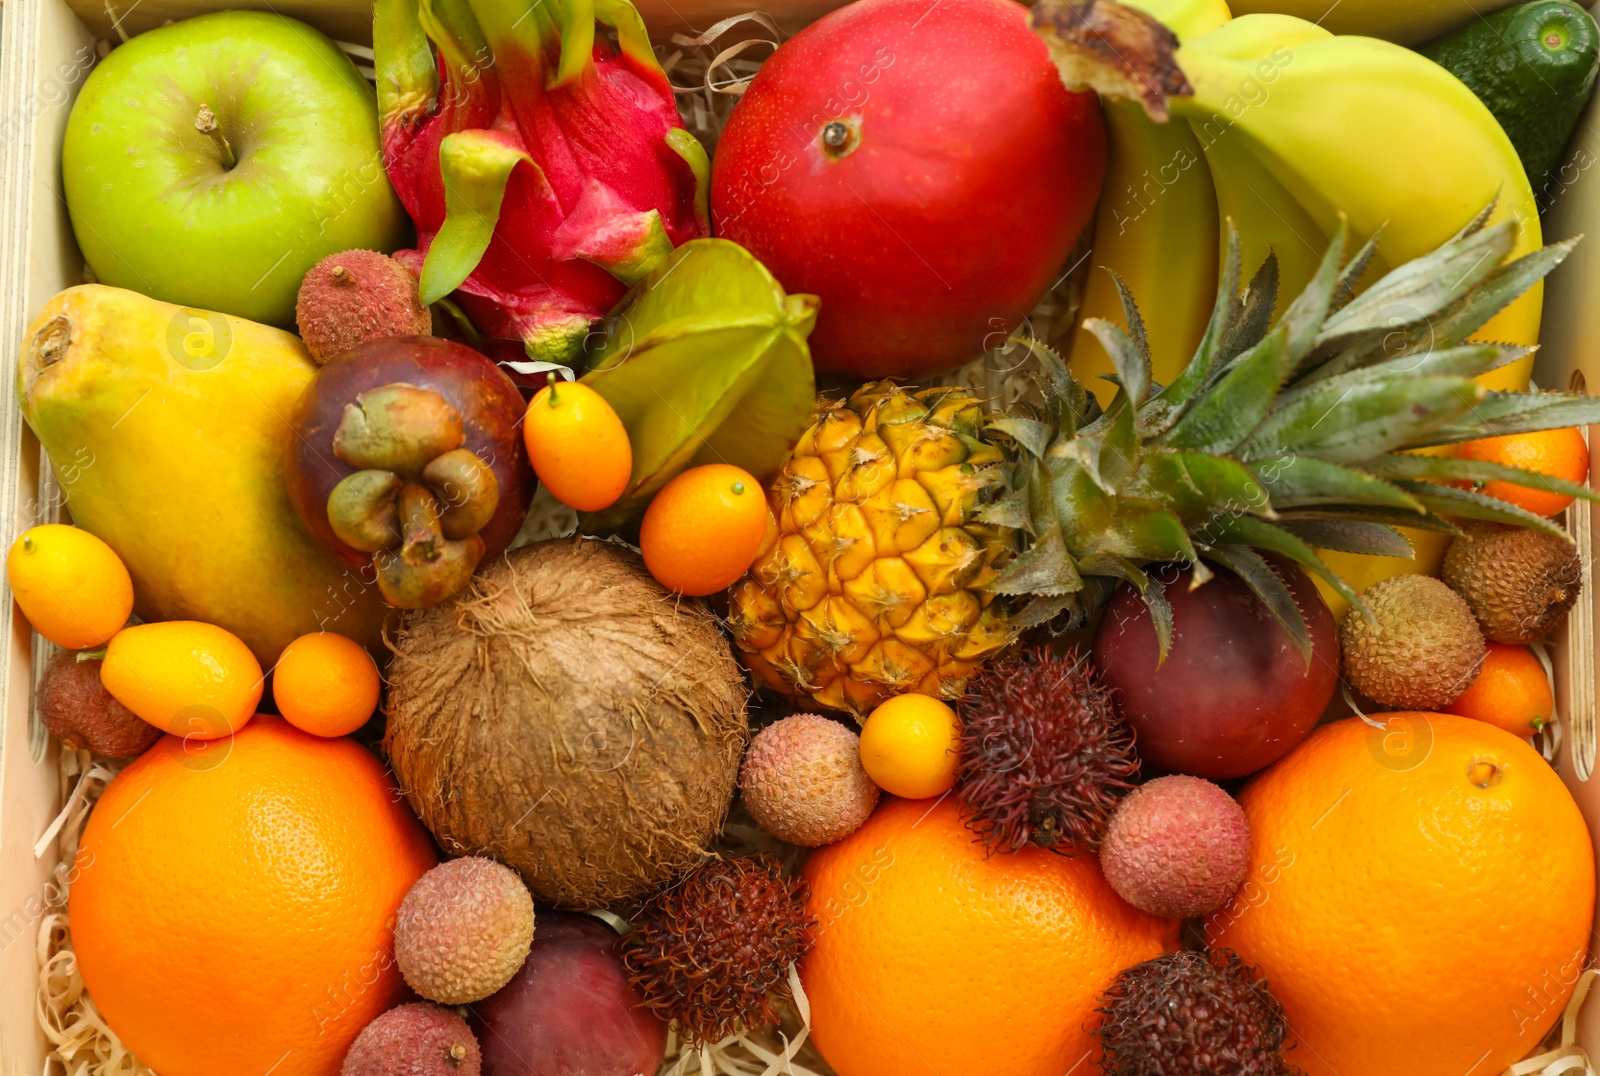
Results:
x,y
1559,453
325,684
931,956
704,528
72,587
232,901
1420,896
909,746
1512,692
577,445
193,680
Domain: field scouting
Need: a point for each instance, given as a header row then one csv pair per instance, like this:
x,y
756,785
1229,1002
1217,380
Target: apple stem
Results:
x,y
206,123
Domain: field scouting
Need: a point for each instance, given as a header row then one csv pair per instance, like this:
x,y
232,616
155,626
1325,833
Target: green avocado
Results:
x,y
1534,66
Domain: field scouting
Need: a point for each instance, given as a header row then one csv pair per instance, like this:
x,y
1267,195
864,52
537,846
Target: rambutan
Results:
x,y
712,951
1044,756
1192,1014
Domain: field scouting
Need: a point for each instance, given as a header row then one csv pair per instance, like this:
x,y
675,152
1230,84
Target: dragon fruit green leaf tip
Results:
x,y
546,170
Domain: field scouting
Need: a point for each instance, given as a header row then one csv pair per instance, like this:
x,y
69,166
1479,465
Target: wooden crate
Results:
x,y
47,48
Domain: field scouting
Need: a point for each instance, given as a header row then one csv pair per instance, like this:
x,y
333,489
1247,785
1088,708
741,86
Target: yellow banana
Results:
x,y
1409,22
1156,226
1300,126
1375,132
1264,212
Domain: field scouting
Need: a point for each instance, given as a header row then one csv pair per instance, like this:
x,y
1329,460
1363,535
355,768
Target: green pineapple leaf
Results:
x,y
1423,287
1297,481
1227,414
1350,423
1468,360
1447,468
1350,279
1450,501
1372,514
1309,311
1351,536
1131,364
1044,568
1009,511
1266,584
1259,534
1250,321
1500,413
1169,404
1155,600
1197,486
1031,434
1135,323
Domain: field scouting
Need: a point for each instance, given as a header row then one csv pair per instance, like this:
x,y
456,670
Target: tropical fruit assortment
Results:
x,y
1192,714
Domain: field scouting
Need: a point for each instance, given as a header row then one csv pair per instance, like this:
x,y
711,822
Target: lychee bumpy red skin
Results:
x,y
1044,757
418,1039
356,296
712,951
1192,1014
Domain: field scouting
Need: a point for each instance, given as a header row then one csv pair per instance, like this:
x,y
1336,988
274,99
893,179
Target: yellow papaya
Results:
x,y
167,428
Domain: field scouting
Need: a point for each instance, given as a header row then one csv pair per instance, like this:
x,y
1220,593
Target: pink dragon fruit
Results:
x,y
545,169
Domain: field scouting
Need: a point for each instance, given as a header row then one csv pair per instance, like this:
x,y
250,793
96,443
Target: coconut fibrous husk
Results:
x,y
571,718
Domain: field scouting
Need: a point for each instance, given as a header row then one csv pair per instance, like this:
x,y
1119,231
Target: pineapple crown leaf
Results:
x,y
1044,568
1361,513
1228,413
1131,362
1298,482
1469,504
1501,413
1450,469
1351,423
1269,587
1282,437
1252,315
1273,538
1311,309
1354,271
1351,536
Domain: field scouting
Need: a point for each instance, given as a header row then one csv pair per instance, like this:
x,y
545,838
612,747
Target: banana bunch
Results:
x,y
1296,126
1409,22
1157,226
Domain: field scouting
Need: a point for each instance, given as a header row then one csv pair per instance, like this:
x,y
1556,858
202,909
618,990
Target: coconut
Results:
x,y
571,718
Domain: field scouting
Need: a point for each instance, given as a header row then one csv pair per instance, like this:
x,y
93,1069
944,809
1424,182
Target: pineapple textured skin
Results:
x,y
917,535
875,583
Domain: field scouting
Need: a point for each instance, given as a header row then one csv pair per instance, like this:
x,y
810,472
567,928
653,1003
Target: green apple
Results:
x,y
211,163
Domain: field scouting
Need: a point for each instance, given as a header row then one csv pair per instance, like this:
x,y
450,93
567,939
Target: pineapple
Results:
x,y
917,535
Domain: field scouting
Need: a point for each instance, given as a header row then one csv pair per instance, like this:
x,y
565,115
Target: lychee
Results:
x,y
417,1040
1177,847
803,783
359,295
463,930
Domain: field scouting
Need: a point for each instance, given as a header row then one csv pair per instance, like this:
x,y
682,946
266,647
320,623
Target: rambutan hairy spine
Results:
x,y
1044,757
712,951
